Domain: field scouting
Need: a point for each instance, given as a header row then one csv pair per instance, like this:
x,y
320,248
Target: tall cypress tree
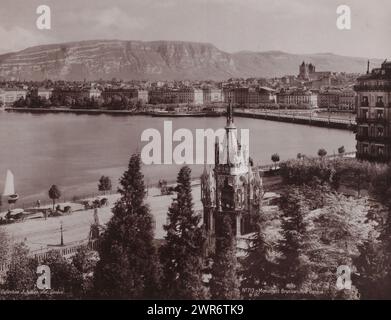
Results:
x,y
182,253
257,267
291,268
225,283
128,266
4,245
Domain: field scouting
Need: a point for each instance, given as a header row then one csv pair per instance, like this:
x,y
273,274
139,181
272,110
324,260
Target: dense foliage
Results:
x,y
128,266
182,253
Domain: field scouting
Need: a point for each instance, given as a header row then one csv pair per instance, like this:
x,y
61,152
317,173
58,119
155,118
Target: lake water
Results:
x,y
73,151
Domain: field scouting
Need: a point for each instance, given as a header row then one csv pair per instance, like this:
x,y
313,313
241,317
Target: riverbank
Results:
x,y
283,116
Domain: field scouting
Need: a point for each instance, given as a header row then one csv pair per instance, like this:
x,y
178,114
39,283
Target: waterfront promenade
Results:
x,y
291,116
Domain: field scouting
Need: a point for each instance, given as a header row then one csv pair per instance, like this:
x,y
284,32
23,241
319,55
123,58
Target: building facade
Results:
x,y
60,94
347,100
45,93
302,99
341,100
328,99
130,93
10,95
186,95
374,114
245,96
233,188
212,95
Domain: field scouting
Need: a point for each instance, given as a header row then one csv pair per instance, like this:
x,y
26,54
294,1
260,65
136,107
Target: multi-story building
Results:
x,y
337,99
162,95
45,93
185,95
298,98
240,96
374,114
198,98
61,94
142,95
212,95
10,95
329,99
347,100
244,96
130,93
266,95
94,93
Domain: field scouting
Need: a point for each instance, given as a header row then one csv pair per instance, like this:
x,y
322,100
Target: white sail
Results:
x,y
9,188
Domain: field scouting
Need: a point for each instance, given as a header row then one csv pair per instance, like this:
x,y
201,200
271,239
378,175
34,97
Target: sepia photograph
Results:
x,y
195,150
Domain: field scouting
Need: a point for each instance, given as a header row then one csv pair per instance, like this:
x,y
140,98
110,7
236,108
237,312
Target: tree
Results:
x,y
104,184
225,282
4,246
325,230
322,153
275,158
257,266
299,172
62,272
356,174
128,267
54,194
373,268
21,275
182,253
292,268
84,262
339,228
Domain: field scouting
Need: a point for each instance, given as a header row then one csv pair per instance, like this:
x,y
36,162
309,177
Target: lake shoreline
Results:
x,y
74,151
271,116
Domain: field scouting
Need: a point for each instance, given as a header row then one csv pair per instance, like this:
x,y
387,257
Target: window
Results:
x,y
364,101
379,102
380,132
379,114
364,114
365,148
365,131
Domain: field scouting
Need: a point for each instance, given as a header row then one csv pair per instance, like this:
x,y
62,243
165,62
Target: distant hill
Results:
x,y
158,60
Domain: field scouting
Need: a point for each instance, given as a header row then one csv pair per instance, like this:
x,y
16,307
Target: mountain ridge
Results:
x,y
159,60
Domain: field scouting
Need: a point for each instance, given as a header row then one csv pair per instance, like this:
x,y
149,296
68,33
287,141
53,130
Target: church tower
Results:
x,y
232,188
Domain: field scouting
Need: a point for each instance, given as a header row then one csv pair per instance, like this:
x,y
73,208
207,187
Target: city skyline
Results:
x,y
213,22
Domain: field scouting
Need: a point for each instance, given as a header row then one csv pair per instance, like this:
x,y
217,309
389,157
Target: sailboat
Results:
x,y
9,188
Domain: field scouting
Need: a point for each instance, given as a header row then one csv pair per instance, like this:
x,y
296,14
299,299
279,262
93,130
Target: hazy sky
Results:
x,y
296,26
